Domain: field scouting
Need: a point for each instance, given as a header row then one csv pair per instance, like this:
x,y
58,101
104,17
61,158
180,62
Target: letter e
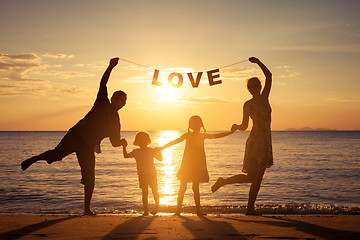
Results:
x,y
211,77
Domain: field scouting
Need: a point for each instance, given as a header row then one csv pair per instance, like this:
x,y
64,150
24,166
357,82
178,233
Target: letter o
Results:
x,y
171,77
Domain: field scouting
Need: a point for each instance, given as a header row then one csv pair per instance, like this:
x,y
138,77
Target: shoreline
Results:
x,y
267,209
187,226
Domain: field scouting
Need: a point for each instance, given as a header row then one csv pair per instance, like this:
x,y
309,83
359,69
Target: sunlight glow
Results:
x,y
167,92
167,170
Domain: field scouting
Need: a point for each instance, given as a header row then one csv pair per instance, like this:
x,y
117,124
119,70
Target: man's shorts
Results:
x,y
85,155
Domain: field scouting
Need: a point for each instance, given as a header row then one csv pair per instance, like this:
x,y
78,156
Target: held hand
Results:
x,y
123,142
234,128
254,60
114,62
157,149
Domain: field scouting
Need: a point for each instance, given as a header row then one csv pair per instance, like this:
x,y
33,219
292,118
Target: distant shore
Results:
x,y
232,226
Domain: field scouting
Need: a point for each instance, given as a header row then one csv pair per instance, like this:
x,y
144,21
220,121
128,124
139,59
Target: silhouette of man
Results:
x,y
84,138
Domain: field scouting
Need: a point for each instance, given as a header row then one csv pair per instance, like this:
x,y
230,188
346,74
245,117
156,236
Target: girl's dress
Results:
x,y
258,150
193,166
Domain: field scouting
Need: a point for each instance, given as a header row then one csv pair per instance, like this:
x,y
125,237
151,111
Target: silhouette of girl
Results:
x,y
258,150
193,166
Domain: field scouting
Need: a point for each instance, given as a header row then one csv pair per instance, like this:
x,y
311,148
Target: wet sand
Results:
x,y
224,226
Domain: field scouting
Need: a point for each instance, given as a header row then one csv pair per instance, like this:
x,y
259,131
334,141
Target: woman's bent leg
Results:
x,y
240,178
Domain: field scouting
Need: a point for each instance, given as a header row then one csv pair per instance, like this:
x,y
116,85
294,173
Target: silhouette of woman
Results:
x,y
258,150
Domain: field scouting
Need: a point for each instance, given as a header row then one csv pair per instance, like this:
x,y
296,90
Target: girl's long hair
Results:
x,y
195,119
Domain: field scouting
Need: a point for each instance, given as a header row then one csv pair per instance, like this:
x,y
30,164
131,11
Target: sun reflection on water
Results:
x,y
167,181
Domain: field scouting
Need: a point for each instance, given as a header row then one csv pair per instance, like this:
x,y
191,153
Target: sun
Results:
x,y
167,93
167,90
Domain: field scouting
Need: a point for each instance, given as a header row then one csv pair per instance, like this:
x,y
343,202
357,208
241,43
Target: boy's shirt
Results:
x,y
144,160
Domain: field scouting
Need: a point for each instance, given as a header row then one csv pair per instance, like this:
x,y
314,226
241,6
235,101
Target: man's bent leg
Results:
x,y
64,148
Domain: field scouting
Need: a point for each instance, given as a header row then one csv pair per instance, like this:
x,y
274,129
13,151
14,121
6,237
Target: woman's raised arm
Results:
x,y
268,76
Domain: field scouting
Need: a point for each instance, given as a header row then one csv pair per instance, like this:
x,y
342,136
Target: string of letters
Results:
x,y
213,75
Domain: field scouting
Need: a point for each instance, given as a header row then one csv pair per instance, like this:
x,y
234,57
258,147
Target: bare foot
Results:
x,y
27,163
177,213
89,213
154,211
252,213
200,214
217,185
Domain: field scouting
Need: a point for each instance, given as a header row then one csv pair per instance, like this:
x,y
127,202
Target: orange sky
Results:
x,y
53,55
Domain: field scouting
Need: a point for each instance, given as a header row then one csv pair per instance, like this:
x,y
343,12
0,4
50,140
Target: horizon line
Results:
x,y
282,130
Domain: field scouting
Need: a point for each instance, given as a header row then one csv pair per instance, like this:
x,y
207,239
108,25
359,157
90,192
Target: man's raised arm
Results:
x,y
106,75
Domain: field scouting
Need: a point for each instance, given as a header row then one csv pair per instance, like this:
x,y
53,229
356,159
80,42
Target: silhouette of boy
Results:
x,y
84,138
145,166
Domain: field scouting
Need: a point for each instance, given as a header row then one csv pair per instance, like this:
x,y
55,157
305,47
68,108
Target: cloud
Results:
x,y
290,75
20,62
201,100
60,55
15,67
27,74
96,65
30,89
65,74
333,37
75,91
138,79
24,56
341,48
343,100
286,67
20,66
237,73
286,72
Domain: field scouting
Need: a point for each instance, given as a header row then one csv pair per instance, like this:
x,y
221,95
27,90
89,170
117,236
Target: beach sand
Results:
x,y
224,226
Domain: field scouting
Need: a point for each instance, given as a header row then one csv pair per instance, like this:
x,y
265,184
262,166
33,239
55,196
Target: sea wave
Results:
x,y
280,209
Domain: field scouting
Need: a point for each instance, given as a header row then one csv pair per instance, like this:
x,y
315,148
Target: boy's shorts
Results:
x,y
149,179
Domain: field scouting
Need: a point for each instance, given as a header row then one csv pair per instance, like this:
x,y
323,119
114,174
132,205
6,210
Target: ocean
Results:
x,y
313,172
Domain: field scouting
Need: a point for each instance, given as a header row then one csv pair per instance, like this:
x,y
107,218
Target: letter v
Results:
x,y
195,84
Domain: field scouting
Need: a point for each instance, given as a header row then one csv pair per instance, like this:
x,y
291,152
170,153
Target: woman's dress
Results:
x,y
258,150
